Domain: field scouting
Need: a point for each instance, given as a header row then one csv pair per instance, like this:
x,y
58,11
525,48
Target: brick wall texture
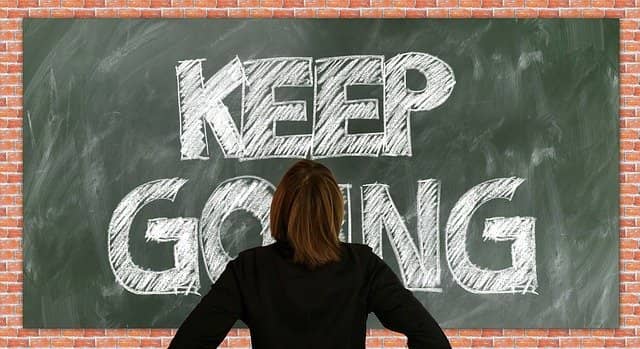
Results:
x,y
12,11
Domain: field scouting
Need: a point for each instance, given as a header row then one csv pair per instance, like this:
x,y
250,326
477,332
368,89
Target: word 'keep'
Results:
x,y
201,103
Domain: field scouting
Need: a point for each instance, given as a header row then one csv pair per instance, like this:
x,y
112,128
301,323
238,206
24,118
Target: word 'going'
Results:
x,y
419,262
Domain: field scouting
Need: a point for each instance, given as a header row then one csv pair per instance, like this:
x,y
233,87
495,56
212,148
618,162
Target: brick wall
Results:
x,y
11,12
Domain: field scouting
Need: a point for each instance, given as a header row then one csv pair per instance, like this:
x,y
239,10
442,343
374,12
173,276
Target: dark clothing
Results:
x,y
287,306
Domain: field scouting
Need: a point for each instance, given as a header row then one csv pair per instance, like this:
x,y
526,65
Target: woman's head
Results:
x,y
307,212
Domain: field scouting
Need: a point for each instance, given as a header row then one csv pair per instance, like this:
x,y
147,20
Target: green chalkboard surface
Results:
x,y
479,158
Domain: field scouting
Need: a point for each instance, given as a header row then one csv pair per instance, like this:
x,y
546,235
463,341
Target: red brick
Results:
x,y
19,342
460,13
283,13
416,13
593,342
106,13
172,13
271,3
569,342
614,342
349,13
549,342
84,342
513,3
129,13
39,13
593,13
481,13
633,342
492,3
504,12
72,3
260,13
579,3
549,13
150,13
503,342
239,13
393,13
360,3
62,342
395,342
481,342
39,342
160,3
328,13
195,13
603,3
248,3
526,13
305,12
522,342
446,3
138,3
27,3
536,3
239,342
205,3
460,342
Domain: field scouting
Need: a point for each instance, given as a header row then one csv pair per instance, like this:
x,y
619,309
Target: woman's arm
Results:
x,y
210,321
399,310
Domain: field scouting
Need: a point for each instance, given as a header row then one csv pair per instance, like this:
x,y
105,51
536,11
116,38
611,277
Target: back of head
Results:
x,y
307,212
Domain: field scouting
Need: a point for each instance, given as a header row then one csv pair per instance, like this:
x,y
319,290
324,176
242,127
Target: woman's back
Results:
x,y
286,305
308,289
324,308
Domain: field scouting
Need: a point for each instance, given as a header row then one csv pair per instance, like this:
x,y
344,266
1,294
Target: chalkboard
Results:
x,y
479,158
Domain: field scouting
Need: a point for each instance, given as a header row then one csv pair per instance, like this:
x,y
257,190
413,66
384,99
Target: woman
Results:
x,y
308,289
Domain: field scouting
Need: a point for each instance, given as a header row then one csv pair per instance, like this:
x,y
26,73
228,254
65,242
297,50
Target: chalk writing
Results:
x,y
201,105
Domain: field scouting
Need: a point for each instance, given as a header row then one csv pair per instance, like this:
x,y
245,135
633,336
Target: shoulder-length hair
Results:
x,y
307,212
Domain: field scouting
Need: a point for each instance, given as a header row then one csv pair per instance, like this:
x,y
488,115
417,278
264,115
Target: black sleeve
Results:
x,y
210,321
399,310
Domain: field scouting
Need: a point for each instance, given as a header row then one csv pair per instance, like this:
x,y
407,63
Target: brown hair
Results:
x,y
307,211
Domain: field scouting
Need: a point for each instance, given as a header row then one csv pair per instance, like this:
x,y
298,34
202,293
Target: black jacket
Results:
x,y
287,306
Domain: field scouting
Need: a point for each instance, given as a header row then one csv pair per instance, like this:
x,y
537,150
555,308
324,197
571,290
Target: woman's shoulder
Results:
x,y
360,254
357,252
357,247
263,251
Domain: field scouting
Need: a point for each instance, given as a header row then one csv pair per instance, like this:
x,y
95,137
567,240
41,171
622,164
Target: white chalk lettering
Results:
x,y
200,102
332,77
183,277
261,110
345,231
380,213
400,100
333,110
419,263
247,193
521,275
